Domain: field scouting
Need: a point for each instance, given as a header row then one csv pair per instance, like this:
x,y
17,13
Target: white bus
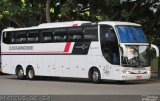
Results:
x,y
81,49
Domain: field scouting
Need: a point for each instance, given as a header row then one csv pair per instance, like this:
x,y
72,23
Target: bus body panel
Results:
x,y
52,63
67,59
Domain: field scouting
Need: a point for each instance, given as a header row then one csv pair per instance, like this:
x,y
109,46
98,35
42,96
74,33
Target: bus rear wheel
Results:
x,y
30,74
96,76
20,73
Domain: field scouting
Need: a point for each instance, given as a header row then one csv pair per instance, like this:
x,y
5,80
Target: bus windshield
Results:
x,y
137,56
131,34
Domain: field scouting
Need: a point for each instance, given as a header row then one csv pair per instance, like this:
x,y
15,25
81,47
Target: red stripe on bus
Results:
x,y
74,25
67,47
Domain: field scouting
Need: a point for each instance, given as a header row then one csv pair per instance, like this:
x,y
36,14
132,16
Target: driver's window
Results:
x,y
109,44
108,34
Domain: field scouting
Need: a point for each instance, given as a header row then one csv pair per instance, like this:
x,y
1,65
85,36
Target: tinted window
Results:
x,y
21,37
75,34
108,34
60,35
32,37
109,44
9,37
91,33
47,35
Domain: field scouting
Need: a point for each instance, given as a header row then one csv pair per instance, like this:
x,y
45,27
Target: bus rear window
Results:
x,y
8,37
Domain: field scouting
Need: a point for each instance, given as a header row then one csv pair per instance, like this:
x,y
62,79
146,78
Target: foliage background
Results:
x,y
24,13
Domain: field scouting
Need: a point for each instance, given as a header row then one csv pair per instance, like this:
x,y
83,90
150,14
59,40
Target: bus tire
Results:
x,y
96,76
121,82
20,73
30,73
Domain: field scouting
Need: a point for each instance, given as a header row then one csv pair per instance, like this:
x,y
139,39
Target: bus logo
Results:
x,y
82,47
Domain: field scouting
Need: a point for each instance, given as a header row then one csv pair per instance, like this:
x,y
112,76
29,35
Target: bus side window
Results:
x,y
47,35
6,38
60,35
75,34
21,37
33,37
91,33
9,37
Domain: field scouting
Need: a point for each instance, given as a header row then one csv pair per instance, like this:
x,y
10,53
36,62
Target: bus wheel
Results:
x,y
96,76
20,73
30,73
121,82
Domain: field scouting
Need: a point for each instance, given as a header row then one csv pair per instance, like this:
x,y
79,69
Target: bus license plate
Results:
x,y
139,77
139,68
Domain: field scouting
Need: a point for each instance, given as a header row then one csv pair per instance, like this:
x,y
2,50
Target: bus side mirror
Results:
x,y
156,48
124,49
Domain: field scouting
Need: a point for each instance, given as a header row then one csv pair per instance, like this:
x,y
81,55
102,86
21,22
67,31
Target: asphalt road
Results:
x,y
10,85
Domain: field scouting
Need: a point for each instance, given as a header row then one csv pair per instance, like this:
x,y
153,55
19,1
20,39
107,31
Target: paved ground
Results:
x,y
10,85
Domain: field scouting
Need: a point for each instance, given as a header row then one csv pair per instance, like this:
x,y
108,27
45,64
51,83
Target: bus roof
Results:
x,y
50,25
69,24
114,23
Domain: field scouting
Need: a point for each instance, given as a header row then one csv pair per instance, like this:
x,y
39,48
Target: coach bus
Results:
x,y
107,50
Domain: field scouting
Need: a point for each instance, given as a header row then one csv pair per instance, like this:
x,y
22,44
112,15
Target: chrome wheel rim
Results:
x,y
95,76
30,74
20,73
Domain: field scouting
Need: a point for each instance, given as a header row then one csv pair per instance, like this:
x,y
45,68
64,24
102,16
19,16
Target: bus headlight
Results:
x,y
126,72
149,72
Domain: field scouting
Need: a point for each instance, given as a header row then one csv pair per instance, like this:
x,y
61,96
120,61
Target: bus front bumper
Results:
x,y
136,76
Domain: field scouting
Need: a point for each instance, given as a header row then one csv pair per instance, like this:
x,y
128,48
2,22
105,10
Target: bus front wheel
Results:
x,y
96,76
30,73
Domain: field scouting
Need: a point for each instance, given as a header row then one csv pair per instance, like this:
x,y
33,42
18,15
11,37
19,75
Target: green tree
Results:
x,y
22,13
48,3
